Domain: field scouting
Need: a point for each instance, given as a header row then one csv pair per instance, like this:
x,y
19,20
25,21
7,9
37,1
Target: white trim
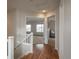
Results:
x,y
10,47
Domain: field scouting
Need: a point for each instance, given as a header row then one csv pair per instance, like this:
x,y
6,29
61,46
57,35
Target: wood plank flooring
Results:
x,y
42,51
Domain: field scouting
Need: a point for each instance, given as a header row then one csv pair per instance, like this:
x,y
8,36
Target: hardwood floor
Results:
x,y
42,51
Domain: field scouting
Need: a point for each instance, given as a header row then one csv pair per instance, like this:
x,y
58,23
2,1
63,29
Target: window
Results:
x,y
28,28
39,27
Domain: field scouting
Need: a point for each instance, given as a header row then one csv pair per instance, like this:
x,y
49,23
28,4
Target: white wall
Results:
x,y
57,29
46,30
16,27
19,26
10,22
20,30
65,29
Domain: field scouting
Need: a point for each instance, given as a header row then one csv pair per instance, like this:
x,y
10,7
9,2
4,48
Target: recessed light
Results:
x,y
44,11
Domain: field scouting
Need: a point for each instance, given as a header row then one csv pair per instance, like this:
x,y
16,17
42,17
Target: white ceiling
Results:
x,y
33,6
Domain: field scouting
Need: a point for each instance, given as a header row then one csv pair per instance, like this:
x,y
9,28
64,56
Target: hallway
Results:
x,y
42,51
56,35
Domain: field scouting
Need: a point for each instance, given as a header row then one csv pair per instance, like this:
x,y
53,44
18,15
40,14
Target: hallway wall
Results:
x,y
65,29
57,29
20,31
17,28
10,22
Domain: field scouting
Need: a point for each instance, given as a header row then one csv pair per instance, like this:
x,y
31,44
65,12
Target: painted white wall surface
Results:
x,y
46,30
20,31
17,28
65,29
57,29
10,22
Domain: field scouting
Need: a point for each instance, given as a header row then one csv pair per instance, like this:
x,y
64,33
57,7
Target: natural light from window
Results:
x,y
28,28
39,27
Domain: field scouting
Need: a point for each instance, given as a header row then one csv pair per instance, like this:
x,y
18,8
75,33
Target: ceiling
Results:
x,y
33,6
39,20
34,19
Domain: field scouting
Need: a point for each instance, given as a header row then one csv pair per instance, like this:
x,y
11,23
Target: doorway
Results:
x,y
35,25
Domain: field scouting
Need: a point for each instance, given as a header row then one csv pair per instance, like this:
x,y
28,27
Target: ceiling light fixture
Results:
x,y
44,11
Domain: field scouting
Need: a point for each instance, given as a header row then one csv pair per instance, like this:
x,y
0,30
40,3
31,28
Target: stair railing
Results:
x,y
28,40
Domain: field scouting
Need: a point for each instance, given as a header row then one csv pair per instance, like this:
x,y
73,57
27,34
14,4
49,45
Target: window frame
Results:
x,y
29,27
40,28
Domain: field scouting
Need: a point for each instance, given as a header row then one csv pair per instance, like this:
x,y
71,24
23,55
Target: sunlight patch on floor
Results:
x,y
40,46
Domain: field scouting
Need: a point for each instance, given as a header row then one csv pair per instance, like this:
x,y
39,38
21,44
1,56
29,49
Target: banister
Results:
x,y
28,36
